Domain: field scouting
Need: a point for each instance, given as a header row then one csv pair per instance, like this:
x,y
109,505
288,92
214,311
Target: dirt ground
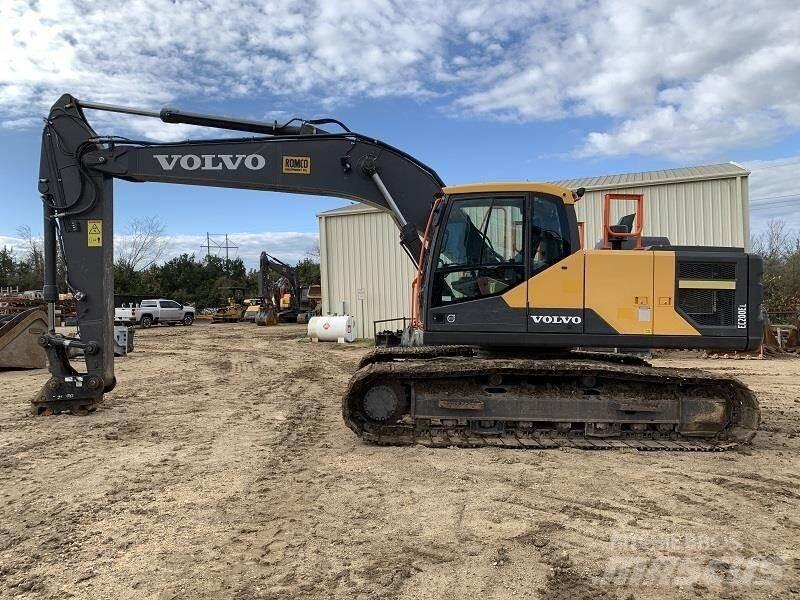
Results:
x,y
220,468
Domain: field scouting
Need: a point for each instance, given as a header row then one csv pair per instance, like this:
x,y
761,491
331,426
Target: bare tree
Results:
x,y
775,242
142,244
314,252
780,248
31,243
33,246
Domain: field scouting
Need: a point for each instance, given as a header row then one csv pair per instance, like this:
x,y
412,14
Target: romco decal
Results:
x,y
211,162
300,165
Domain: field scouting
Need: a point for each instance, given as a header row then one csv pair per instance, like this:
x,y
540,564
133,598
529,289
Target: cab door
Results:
x,y
480,257
556,266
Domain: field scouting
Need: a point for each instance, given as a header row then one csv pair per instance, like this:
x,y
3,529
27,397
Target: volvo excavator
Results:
x,y
510,312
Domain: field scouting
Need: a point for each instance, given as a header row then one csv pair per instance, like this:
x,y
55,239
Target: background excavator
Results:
x,y
267,313
280,299
505,292
291,295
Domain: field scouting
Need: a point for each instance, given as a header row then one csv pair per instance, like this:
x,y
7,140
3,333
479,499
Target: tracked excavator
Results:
x,y
267,313
287,290
292,297
509,310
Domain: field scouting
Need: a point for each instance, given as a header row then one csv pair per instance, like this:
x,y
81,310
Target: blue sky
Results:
x,y
478,90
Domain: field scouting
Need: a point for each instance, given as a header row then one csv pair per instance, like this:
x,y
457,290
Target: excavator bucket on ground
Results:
x,y
19,340
267,316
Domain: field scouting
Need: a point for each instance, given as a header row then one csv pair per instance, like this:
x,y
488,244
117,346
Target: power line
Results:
x,y
774,197
787,164
778,204
218,245
758,208
790,200
775,203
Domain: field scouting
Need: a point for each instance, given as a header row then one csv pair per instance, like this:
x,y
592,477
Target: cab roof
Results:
x,y
511,186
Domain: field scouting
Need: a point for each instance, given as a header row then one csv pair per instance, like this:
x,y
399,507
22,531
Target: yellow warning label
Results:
x,y
297,164
94,233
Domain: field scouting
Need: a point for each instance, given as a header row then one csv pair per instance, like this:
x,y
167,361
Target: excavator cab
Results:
x,y
494,237
506,268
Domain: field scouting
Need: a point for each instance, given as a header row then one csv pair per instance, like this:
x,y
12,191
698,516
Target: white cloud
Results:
x,y
287,246
681,79
11,242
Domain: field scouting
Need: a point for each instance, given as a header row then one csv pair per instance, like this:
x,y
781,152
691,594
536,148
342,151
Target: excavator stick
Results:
x,y
19,340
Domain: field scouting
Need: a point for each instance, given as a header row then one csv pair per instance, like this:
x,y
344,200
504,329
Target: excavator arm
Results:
x,y
287,272
76,185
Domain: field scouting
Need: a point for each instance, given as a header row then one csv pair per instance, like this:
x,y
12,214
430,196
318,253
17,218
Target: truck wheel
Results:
x,y
146,321
188,319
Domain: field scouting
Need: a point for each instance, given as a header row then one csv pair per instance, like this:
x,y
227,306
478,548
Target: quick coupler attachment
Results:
x,y
67,390
77,394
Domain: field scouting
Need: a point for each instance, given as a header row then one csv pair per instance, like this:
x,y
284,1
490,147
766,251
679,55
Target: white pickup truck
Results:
x,y
160,310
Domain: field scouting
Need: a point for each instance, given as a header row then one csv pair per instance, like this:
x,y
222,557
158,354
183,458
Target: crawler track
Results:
x,y
452,396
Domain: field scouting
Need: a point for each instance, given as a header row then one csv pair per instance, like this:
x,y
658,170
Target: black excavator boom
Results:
x,y
76,185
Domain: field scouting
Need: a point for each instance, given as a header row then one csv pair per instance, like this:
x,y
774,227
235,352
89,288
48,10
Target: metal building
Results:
x,y
365,272
692,206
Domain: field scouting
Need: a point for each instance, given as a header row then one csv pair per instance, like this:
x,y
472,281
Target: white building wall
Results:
x,y
360,250
694,213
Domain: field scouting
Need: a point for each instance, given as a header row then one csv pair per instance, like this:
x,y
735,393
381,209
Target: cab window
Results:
x,y
550,234
481,253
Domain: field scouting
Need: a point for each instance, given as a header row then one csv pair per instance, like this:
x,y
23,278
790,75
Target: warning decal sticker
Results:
x,y
94,233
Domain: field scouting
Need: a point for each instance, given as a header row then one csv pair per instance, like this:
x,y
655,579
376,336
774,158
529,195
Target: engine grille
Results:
x,y
716,308
706,270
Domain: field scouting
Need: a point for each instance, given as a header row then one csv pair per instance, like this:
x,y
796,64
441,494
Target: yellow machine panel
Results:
x,y
560,286
666,321
517,297
619,289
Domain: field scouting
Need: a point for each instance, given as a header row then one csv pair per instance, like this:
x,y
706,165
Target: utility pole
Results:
x,y
217,246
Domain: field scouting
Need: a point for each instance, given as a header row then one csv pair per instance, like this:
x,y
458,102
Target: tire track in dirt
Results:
x,y
220,468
